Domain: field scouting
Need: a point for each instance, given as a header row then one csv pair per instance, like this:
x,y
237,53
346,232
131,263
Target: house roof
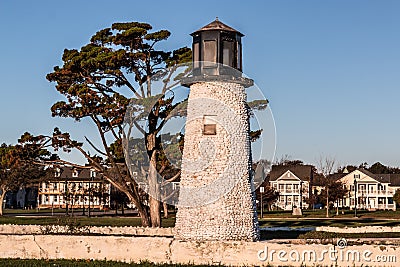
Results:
x,y
303,172
336,176
392,179
366,172
217,25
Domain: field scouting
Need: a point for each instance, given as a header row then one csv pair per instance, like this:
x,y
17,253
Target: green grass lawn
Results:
x,y
271,219
83,221
60,211
304,222
321,213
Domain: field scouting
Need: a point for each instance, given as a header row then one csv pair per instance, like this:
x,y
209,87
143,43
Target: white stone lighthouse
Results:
x,y
216,200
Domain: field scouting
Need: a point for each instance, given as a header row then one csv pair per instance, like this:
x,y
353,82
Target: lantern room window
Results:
x,y
210,53
239,56
228,53
196,55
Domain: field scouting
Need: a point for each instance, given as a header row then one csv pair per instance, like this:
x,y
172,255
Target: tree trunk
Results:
x,y
165,207
135,199
2,195
154,192
143,213
144,217
327,201
154,186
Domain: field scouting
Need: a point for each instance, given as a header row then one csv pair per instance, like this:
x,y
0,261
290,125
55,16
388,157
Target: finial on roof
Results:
x,y
216,19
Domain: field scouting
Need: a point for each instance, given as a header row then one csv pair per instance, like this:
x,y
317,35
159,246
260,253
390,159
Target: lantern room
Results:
x,y
217,54
216,43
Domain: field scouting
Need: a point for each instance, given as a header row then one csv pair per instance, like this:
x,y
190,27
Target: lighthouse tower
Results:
x,y
216,200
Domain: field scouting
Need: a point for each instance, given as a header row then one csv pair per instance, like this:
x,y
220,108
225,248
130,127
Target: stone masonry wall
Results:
x,y
216,200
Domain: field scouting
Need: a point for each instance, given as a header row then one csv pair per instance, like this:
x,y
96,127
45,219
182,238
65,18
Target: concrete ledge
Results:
x,y
164,249
362,229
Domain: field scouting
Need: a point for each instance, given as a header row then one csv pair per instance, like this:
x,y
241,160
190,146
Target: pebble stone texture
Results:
x,y
216,200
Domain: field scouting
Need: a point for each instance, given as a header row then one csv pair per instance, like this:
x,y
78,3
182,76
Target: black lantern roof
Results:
x,y
217,25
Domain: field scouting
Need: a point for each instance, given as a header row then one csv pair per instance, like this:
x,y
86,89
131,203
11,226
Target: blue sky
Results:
x,y
331,69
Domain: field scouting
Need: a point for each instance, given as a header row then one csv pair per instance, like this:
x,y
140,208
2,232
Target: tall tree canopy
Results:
x,y
16,164
93,79
379,168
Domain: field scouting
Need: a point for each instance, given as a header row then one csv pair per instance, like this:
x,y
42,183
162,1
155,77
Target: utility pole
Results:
x,y
355,197
327,201
262,203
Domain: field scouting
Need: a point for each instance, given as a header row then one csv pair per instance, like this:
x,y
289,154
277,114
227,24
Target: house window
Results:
x,y
361,187
296,187
210,126
289,188
75,173
357,176
92,173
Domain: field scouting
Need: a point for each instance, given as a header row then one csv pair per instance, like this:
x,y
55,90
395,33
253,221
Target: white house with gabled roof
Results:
x,y
370,191
293,185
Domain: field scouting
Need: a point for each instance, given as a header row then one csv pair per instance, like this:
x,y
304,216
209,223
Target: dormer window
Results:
x,y
92,173
210,126
75,173
57,173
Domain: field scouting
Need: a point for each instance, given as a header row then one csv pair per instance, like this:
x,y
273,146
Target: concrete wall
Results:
x,y
363,229
164,249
